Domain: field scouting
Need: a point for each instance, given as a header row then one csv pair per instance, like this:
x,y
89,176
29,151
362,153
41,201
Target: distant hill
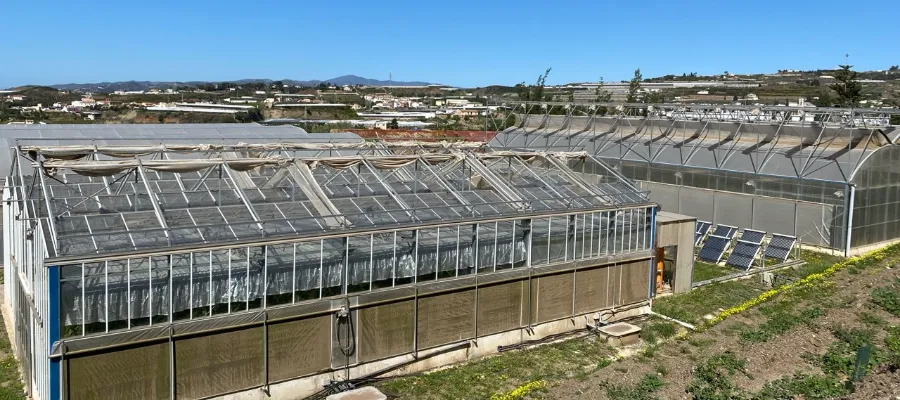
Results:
x,y
108,87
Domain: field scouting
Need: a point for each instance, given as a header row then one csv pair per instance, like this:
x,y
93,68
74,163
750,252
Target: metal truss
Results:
x,y
820,143
150,198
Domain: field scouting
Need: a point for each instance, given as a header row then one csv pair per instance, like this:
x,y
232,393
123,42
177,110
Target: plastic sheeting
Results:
x,y
139,289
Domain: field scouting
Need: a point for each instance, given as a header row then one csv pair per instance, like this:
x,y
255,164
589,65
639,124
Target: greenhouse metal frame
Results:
x,y
826,175
121,243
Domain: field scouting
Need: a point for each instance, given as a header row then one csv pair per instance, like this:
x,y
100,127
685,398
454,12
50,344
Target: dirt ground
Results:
x,y
780,356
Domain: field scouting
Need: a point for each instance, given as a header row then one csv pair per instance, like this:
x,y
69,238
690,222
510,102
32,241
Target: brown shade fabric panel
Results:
x,y
446,318
500,307
219,363
299,348
635,282
615,285
554,297
137,373
591,287
386,330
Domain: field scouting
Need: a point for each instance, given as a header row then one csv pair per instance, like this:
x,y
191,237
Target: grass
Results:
x,y
713,378
871,319
778,323
643,390
658,329
888,297
803,386
815,262
704,271
10,382
493,376
691,307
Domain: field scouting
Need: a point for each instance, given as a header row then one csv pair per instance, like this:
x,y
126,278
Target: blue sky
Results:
x,y
464,43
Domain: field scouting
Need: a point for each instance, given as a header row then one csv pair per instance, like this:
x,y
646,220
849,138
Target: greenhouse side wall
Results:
x,y
317,345
876,205
208,323
811,210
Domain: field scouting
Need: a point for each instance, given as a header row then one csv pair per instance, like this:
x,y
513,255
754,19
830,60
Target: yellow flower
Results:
x,y
813,279
521,391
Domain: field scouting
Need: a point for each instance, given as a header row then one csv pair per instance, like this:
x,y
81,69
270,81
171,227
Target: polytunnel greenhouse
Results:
x,y
275,266
829,176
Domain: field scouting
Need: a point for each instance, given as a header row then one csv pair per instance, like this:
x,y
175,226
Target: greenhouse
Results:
x,y
825,175
235,265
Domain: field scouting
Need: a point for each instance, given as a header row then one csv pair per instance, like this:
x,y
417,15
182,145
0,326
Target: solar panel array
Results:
x,y
725,231
702,230
716,243
745,249
780,246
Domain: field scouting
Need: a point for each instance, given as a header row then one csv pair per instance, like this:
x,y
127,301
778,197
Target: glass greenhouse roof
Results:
x,y
134,195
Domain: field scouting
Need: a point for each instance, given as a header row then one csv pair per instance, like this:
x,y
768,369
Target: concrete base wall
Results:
x,y
481,347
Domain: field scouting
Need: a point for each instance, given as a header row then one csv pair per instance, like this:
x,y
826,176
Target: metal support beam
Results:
x,y
245,200
154,201
51,213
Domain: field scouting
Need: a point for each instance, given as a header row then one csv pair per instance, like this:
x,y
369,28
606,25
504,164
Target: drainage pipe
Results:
x,y
670,319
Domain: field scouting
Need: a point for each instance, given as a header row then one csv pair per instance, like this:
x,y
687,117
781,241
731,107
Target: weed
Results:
x,y
586,372
888,297
871,319
803,386
649,351
662,370
841,355
643,390
504,371
9,369
779,323
712,378
656,331
892,347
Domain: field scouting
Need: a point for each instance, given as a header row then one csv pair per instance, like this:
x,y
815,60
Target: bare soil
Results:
x,y
781,356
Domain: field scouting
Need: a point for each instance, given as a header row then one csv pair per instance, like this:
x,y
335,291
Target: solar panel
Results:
x,y
745,249
702,230
742,255
725,231
780,246
716,243
752,236
713,249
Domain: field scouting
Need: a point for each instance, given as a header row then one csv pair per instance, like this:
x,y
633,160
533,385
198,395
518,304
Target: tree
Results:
x,y
393,124
825,99
534,92
848,90
655,98
894,68
634,87
603,95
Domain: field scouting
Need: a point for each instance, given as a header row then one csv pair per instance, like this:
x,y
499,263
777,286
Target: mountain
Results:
x,y
358,80
108,87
